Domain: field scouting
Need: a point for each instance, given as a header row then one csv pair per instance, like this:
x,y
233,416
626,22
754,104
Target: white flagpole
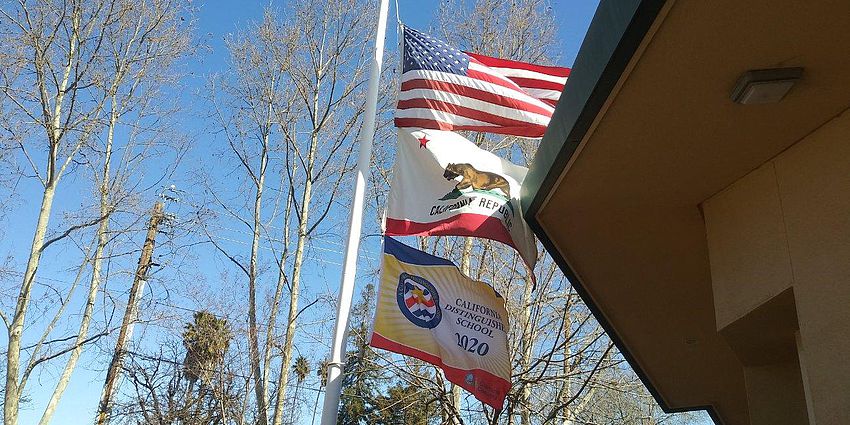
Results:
x,y
346,286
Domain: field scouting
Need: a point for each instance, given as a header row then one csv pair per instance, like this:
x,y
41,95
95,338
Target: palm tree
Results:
x,y
322,373
206,340
301,368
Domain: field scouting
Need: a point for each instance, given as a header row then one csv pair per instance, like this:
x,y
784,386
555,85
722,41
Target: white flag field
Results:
x,y
443,184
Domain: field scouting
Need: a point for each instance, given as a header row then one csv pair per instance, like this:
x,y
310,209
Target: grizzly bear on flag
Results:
x,y
482,199
478,180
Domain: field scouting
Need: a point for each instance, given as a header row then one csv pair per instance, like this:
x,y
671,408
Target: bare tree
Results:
x,y
291,104
521,30
328,77
78,68
248,103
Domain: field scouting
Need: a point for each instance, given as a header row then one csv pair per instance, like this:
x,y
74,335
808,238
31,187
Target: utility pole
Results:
x,y
125,334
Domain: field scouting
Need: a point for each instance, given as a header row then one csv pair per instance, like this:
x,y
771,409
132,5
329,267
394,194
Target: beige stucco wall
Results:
x,y
787,225
747,243
774,396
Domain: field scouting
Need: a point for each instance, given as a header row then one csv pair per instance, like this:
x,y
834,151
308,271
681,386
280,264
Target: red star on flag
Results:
x,y
423,141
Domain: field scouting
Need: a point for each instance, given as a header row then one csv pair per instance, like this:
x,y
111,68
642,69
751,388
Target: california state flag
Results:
x,y
445,185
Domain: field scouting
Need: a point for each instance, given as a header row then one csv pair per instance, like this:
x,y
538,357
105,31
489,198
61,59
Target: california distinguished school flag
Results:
x,y
429,310
445,185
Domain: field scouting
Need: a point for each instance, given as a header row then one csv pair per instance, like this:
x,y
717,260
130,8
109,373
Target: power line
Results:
x,y
231,374
272,249
314,246
191,310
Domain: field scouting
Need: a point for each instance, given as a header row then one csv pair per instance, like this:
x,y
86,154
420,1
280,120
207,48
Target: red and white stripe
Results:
x,y
487,99
543,82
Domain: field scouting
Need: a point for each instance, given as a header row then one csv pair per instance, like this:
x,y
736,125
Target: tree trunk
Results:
x,y
315,407
281,280
566,390
289,336
293,413
52,123
94,285
526,349
12,395
253,337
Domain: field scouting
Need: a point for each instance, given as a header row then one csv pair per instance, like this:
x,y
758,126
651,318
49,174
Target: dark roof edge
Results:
x,y
615,33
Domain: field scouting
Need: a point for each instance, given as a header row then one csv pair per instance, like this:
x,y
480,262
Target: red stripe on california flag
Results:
x,y
557,71
479,94
524,131
492,383
464,224
462,111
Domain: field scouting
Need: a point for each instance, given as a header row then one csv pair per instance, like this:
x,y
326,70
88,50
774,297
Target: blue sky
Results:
x,y
216,19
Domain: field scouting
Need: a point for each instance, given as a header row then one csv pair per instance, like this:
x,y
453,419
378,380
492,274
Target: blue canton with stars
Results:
x,y
421,51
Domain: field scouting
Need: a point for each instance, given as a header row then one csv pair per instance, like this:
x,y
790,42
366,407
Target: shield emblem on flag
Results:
x,y
418,300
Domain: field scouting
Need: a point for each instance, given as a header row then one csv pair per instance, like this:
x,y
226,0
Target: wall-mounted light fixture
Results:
x,y
765,85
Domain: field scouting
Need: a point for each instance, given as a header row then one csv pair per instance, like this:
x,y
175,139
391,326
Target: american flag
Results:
x,y
443,88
